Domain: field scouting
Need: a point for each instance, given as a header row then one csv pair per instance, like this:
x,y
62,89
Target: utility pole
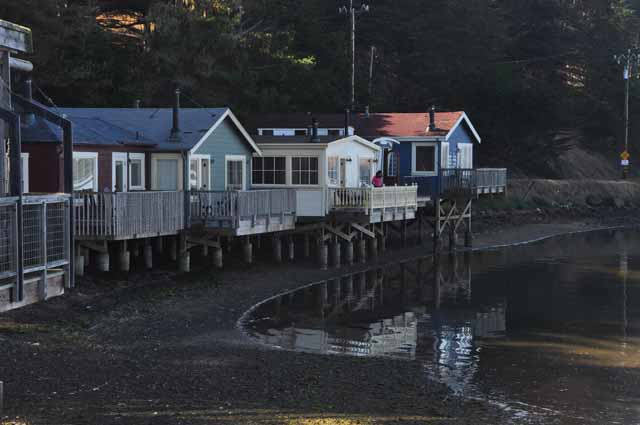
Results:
x,y
352,12
629,60
373,53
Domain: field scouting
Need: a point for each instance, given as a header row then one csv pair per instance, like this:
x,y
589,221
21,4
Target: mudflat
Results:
x,y
163,348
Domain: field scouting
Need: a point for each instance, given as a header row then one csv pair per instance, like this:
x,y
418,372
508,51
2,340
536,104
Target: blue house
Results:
x,y
428,149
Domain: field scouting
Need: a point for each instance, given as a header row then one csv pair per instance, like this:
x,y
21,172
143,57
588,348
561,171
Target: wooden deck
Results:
x,y
243,213
377,204
127,215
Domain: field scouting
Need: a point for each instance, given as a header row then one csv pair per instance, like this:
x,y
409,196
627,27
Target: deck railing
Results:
x,y
488,179
120,215
46,242
372,198
230,207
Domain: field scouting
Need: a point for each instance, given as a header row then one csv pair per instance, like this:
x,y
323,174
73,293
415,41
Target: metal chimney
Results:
x,y
175,130
432,118
314,131
29,117
347,123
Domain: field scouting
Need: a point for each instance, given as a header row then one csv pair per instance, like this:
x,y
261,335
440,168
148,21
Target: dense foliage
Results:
x,y
534,76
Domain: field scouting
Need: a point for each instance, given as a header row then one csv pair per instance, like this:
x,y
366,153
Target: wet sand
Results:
x,y
161,348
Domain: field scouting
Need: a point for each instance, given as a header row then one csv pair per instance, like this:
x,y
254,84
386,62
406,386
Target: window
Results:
x,y
136,171
304,170
234,165
424,158
334,132
167,174
301,132
332,170
199,172
365,171
392,164
269,170
267,133
85,171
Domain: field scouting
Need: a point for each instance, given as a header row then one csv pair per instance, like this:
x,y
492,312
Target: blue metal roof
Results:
x,y
118,126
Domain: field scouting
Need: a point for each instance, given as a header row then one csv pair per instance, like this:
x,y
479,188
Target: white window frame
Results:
x,y
122,157
286,171
229,158
337,180
436,161
199,158
319,158
369,160
24,158
154,169
94,156
137,157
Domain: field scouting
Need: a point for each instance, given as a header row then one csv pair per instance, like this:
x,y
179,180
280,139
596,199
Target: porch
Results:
x,y
244,213
46,249
378,204
459,182
110,216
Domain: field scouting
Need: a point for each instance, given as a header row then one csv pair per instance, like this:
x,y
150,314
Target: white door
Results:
x,y
235,173
119,172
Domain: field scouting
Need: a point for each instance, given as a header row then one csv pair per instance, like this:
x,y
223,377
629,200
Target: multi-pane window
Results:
x,y
365,171
136,171
304,170
392,164
332,169
269,170
425,157
85,171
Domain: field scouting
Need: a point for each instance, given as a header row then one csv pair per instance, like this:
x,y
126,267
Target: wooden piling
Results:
x,y
217,257
205,251
403,233
173,248
291,248
348,253
248,250
184,263
277,249
335,254
323,255
373,248
124,257
158,245
102,261
148,256
78,265
307,246
362,250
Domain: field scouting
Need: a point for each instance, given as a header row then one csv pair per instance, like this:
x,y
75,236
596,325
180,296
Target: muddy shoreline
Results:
x,y
162,348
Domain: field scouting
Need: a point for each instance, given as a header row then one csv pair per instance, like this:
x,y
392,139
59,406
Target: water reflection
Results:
x,y
549,331
410,310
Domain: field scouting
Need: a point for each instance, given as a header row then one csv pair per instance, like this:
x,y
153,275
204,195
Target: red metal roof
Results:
x,y
405,124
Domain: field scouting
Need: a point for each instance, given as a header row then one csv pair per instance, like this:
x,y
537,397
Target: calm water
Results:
x,y
550,331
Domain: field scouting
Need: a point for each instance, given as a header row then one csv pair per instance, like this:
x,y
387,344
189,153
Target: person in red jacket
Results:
x,y
377,180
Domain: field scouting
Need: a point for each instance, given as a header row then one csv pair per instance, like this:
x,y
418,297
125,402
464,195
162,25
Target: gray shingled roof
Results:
x,y
117,126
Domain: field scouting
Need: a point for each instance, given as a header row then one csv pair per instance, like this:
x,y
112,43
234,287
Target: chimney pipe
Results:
x,y
136,104
314,131
432,118
175,130
29,117
347,123
366,111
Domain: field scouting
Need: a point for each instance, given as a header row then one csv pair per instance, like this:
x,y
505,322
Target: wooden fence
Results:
x,y
127,215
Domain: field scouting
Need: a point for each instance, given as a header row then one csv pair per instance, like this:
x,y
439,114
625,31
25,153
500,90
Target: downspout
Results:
x,y
15,188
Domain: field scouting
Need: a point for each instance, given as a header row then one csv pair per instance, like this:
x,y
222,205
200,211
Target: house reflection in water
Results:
x,y
413,310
